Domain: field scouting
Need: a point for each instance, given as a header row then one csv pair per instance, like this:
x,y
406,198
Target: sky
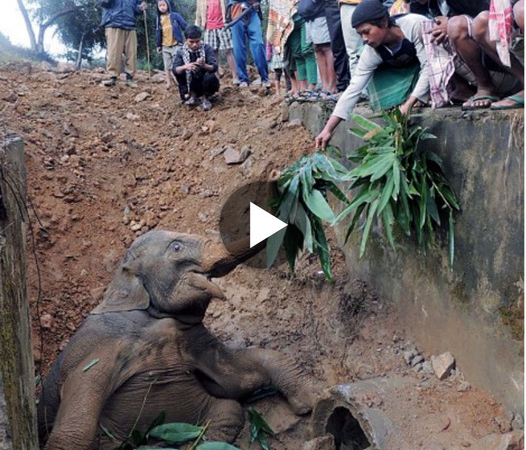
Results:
x,y
13,26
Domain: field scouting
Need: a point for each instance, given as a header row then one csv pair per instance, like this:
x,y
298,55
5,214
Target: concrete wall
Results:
x,y
476,310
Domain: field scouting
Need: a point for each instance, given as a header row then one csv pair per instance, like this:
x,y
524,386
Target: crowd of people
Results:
x,y
390,53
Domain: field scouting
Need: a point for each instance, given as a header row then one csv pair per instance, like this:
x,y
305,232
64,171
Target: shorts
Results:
x,y
169,55
219,39
317,31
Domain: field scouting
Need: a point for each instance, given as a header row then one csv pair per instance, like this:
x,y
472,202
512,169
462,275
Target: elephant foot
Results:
x,y
226,421
303,402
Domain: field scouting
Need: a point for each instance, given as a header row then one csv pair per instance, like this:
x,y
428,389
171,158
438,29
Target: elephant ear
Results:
x,y
125,293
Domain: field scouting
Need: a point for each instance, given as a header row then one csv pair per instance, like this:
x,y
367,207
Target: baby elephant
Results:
x,y
144,350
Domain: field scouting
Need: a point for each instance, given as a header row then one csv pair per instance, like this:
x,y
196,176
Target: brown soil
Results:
x,y
104,168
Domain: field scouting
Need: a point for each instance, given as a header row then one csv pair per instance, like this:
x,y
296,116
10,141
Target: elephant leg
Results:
x,y
237,373
285,374
226,420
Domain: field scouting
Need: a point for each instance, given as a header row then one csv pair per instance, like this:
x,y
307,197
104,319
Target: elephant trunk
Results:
x,y
220,260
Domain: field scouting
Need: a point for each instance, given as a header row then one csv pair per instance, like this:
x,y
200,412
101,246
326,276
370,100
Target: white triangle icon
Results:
x,y
262,224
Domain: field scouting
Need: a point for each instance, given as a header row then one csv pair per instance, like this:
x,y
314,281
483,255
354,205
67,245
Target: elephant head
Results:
x,y
169,274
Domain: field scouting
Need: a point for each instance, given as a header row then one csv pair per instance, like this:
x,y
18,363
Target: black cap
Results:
x,y
368,11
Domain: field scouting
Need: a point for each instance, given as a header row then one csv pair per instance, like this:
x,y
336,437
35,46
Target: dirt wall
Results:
x,y
476,310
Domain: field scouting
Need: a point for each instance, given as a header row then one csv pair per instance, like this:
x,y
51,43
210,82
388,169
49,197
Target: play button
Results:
x,y
262,225
247,213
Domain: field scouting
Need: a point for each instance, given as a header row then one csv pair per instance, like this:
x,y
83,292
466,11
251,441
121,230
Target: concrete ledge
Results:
x,y
476,310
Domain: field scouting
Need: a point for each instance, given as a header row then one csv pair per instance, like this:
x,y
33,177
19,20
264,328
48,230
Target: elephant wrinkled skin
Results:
x,y
144,350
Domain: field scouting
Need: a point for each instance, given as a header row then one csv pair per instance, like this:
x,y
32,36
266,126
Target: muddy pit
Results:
x,y
105,165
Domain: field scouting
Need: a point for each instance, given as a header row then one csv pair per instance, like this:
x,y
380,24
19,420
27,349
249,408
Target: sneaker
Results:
x,y
206,105
236,82
243,84
267,85
131,83
111,82
192,101
256,82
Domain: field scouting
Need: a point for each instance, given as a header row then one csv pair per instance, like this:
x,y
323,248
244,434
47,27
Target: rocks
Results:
x,y
232,156
46,321
9,97
132,116
443,364
141,96
216,151
507,441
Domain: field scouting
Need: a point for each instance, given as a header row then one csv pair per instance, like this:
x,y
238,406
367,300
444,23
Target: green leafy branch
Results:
x,y
395,181
398,181
303,205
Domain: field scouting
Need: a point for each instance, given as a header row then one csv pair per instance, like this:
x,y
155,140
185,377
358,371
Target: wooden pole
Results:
x,y
147,44
16,355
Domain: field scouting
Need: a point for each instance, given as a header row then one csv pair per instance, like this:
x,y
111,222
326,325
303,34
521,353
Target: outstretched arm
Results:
x,y
83,394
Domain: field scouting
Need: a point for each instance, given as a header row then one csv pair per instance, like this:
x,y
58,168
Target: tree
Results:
x,y
47,13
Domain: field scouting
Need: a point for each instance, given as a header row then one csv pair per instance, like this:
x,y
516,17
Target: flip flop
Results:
x,y
470,104
518,103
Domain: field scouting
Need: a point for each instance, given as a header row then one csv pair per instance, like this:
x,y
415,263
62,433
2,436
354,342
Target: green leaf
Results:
x,y
364,123
446,192
388,220
423,202
451,239
91,364
303,223
386,193
159,420
176,432
316,202
322,250
137,437
213,445
273,245
376,166
337,193
257,421
396,179
370,216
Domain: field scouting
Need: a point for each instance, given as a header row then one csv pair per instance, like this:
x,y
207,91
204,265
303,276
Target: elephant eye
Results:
x,y
176,246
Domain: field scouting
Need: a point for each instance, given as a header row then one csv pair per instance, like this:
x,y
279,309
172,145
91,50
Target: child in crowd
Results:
x,y
195,69
169,36
211,16
396,45
275,65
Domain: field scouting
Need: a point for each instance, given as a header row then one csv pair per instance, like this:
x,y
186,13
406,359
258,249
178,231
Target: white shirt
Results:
x,y
370,59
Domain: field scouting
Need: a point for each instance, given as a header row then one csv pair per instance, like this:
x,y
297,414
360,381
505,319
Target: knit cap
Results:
x,y
368,11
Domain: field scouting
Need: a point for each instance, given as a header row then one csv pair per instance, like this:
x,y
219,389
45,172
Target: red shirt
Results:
x,y
214,16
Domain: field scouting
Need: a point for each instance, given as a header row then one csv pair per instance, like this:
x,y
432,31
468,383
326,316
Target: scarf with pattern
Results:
x,y
186,59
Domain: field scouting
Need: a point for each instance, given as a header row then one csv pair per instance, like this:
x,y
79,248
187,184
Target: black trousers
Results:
x,y
341,59
202,83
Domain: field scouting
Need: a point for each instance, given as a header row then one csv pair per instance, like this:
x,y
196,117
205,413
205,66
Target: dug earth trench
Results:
x,y
105,165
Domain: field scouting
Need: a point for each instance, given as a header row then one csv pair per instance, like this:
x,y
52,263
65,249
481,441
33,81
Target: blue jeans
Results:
x,y
257,48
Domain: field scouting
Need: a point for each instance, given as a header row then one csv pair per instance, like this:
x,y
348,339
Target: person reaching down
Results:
x,y
393,64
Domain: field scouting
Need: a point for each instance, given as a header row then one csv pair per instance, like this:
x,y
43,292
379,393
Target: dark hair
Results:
x,y
193,32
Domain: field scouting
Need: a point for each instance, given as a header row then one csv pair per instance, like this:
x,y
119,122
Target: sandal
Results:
x,y
518,103
471,106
